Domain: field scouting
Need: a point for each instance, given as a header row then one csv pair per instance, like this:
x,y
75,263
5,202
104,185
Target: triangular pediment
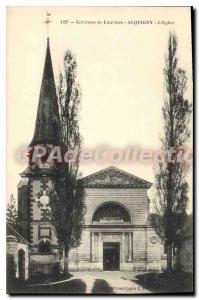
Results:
x,y
113,177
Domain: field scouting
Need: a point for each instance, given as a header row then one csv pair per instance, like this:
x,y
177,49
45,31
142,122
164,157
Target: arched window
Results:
x,y
111,212
44,247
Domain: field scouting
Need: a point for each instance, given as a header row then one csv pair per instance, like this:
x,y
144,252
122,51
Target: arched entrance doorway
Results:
x,y
110,242
21,264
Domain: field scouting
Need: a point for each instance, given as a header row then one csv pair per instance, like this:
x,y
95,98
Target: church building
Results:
x,y
117,234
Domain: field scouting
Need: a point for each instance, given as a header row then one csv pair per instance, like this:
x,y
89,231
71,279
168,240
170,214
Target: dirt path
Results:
x,y
109,282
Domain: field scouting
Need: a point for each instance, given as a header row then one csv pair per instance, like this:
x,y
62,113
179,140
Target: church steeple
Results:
x,y
47,128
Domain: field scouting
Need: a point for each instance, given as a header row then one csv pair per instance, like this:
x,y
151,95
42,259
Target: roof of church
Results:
x,y
47,128
113,177
11,232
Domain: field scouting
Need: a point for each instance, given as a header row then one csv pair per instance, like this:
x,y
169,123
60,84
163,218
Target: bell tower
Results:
x,y
36,183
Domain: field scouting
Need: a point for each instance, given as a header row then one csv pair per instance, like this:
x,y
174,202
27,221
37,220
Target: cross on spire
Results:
x,y
47,21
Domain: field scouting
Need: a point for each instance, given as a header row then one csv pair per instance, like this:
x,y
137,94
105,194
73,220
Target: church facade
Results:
x,y
116,234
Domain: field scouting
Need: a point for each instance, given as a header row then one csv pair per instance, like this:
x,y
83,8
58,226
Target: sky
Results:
x,y
120,71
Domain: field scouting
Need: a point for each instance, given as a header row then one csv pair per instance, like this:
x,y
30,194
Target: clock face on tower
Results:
x,y
43,199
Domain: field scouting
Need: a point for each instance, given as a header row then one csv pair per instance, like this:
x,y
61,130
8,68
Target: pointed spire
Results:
x,y
47,128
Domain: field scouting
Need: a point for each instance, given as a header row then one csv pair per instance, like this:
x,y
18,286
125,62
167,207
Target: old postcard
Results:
x,y
99,150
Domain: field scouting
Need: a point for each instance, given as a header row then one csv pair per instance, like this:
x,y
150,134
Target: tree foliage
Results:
x,y
67,196
67,211
11,213
69,95
171,187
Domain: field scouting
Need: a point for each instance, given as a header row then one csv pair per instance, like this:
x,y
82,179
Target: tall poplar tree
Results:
x,y
171,186
67,197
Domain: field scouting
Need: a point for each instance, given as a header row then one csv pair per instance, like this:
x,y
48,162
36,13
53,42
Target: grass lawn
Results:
x,y
166,282
74,286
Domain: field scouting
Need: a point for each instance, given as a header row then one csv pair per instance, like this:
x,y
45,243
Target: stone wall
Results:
x,y
39,213
146,247
155,249
13,248
135,200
